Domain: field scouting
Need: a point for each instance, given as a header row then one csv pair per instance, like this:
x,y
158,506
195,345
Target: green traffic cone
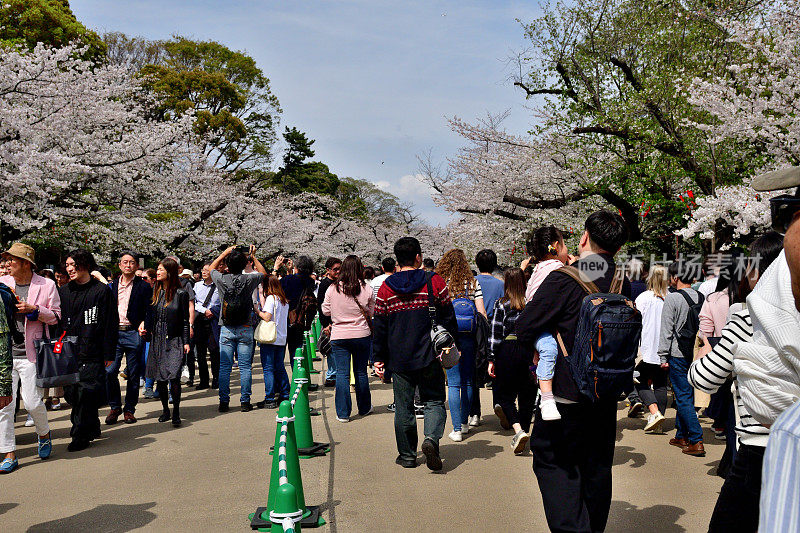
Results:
x,y
312,346
306,447
291,467
285,516
299,360
309,355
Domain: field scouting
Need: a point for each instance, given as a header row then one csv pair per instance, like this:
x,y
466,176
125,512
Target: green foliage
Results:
x,y
28,22
363,199
237,114
612,75
296,175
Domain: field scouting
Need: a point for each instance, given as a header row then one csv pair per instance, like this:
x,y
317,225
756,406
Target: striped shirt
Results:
x,y
709,373
780,486
504,323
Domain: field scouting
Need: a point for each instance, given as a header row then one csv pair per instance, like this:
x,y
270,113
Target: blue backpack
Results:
x,y
465,313
606,340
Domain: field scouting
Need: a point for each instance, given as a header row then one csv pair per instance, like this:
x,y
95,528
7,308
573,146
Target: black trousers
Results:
x,y
205,343
86,397
738,503
514,382
652,374
572,460
294,340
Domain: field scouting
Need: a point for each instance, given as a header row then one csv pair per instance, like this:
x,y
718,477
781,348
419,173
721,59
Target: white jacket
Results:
x,y
768,368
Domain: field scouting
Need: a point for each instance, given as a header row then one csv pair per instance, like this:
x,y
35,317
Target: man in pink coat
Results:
x,y
38,304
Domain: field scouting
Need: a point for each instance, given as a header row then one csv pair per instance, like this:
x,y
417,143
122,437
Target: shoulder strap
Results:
x,y
575,274
431,305
210,294
616,283
689,300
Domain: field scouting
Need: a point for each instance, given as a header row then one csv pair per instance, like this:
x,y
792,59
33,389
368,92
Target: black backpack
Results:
x,y
237,303
606,340
687,334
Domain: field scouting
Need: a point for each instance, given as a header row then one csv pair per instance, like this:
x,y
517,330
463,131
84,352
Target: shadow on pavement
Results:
x,y
108,518
456,453
625,454
6,507
627,517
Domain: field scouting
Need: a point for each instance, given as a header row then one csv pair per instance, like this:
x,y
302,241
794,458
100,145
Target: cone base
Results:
x,y
314,412
312,387
311,519
318,449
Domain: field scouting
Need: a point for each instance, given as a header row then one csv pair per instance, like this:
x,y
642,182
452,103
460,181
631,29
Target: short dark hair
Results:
x,y
332,262
687,272
130,253
428,263
83,259
304,265
607,230
674,269
236,261
406,249
486,260
388,264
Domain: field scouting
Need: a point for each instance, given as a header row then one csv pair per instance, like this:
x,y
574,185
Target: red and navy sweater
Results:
x,y
401,336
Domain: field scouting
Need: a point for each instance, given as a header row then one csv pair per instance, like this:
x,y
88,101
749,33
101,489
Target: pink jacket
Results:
x,y
42,292
714,314
348,320
540,272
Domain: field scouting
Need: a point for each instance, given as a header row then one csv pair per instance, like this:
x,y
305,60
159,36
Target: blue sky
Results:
x,y
371,81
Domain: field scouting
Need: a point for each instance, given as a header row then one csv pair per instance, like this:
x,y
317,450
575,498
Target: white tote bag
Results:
x,y
266,332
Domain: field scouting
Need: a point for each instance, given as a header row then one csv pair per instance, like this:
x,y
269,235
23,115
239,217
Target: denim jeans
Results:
x,y
548,352
130,345
686,423
148,382
330,373
276,380
239,340
459,381
430,381
359,349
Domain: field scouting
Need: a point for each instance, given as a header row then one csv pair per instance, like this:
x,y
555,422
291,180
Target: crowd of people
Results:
x,y
721,335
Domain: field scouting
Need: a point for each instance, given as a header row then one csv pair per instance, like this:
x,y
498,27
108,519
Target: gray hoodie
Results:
x,y
673,318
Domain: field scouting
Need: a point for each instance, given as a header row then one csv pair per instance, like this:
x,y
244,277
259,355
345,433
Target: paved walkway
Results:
x,y
210,473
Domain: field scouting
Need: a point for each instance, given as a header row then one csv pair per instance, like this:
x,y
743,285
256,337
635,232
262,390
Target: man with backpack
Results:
x,y
572,457
236,329
680,321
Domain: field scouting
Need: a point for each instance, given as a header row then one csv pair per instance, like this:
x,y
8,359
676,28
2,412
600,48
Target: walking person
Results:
x,y
37,306
206,329
510,363
167,324
680,322
133,299
467,303
236,331
274,307
402,342
572,457
89,311
350,304
652,387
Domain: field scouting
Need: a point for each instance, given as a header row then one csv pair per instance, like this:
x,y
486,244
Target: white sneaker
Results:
x,y
29,422
455,436
464,429
518,442
654,423
549,410
474,421
343,420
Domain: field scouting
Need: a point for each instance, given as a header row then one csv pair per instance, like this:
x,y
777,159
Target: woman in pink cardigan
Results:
x,y
39,305
350,304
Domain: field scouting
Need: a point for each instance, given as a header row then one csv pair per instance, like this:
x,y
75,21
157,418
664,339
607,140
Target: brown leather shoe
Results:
x,y
113,416
695,449
129,418
680,443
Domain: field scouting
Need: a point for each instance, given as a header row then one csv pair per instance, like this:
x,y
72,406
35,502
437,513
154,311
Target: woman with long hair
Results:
x,y
652,387
510,363
274,307
464,289
350,304
167,324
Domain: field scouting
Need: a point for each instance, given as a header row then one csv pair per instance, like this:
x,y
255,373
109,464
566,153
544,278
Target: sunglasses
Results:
x,y
783,208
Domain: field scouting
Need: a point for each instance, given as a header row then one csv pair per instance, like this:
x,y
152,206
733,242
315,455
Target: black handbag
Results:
x,y
57,361
324,344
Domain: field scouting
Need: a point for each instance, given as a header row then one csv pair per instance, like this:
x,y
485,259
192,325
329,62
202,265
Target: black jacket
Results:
x,y
89,311
401,327
141,294
175,315
556,306
324,319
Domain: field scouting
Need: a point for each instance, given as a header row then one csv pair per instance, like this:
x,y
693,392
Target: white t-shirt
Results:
x,y
377,281
650,306
280,315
